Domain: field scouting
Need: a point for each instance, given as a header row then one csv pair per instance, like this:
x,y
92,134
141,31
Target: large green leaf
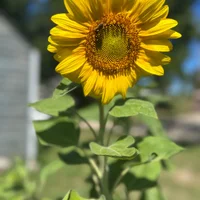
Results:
x,y
162,147
54,106
153,193
120,149
59,131
152,151
73,195
64,88
132,107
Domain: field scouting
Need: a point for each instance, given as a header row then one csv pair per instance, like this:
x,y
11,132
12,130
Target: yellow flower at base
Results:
x,y
107,45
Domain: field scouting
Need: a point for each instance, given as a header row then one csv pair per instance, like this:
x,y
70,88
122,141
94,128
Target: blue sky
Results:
x,y
192,62
35,7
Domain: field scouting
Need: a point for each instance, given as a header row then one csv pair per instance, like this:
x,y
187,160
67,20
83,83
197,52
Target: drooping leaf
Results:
x,y
150,171
63,88
152,151
73,195
162,147
116,169
142,176
153,193
60,132
133,183
73,156
120,149
54,106
133,107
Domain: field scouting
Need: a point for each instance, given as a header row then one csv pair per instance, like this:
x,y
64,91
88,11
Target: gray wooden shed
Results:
x,y
19,84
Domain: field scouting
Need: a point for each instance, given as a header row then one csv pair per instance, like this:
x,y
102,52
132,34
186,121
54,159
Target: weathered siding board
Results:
x,y
14,80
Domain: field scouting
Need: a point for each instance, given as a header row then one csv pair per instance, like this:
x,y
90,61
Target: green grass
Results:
x,y
180,183
183,182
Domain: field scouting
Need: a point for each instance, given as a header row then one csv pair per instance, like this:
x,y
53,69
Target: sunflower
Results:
x,y
107,45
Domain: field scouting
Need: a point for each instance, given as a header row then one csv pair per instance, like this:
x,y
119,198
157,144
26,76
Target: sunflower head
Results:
x,y
108,45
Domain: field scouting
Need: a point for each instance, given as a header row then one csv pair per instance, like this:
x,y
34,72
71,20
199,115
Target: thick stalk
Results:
x,y
104,180
101,124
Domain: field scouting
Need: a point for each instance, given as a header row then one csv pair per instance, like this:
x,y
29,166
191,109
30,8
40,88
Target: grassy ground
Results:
x,y
184,181
181,183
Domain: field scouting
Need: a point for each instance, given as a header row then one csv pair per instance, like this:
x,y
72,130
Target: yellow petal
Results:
x,y
122,84
64,42
96,9
107,6
173,34
149,65
160,27
51,48
71,63
136,8
162,14
155,58
85,72
74,76
79,10
128,5
109,90
157,45
89,84
63,53
59,32
117,5
149,9
169,34
66,23
98,88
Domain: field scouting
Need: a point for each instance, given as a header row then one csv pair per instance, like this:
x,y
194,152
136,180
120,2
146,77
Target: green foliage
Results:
x,y
135,163
120,149
60,102
163,148
132,107
73,156
140,173
17,184
13,183
149,171
54,106
73,195
152,194
61,132
63,88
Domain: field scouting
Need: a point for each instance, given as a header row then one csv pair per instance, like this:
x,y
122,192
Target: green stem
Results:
x,y
95,168
104,180
101,124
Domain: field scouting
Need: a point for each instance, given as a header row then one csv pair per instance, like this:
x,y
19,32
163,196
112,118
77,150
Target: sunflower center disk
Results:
x,y
111,43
